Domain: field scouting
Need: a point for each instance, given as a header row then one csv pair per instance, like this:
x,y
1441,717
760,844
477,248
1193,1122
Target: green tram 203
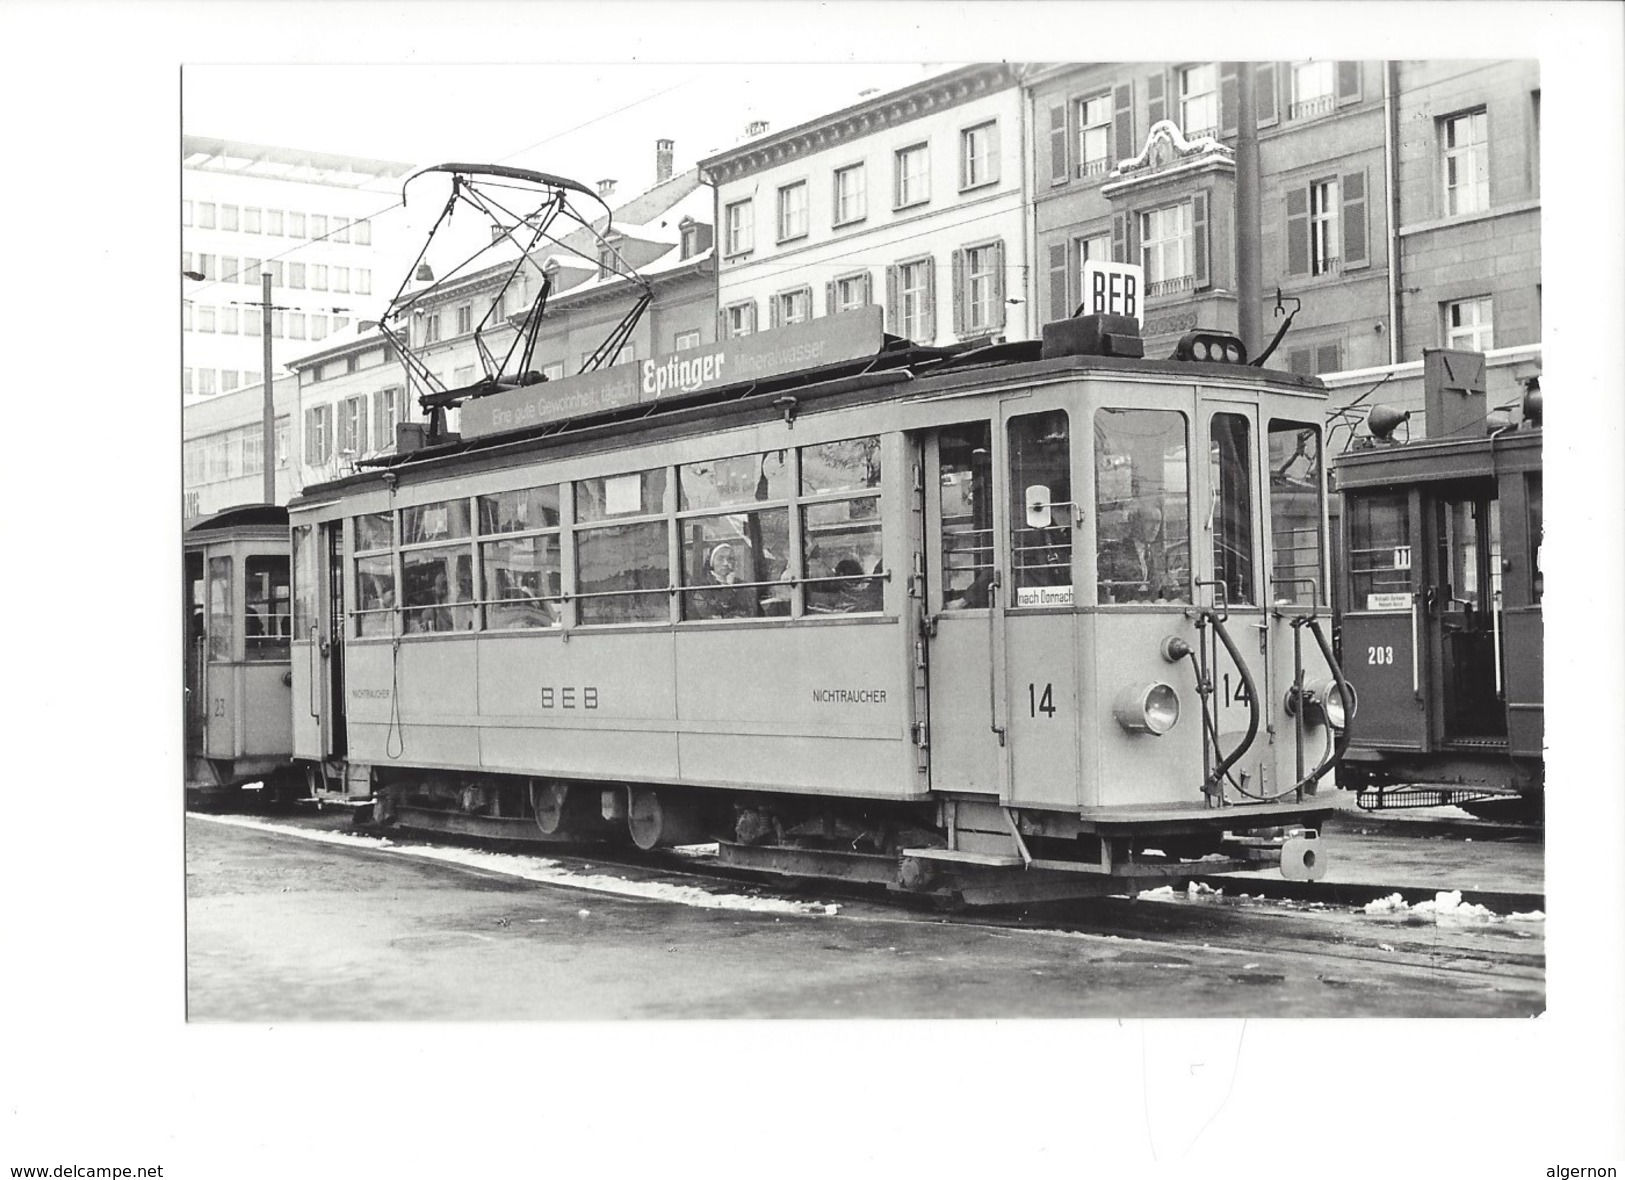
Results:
x,y
1004,622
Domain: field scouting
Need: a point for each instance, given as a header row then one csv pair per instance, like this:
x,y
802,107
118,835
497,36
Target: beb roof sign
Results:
x,y
825,341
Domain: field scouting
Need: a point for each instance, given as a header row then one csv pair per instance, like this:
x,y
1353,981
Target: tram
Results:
x,y
238,690
1441,592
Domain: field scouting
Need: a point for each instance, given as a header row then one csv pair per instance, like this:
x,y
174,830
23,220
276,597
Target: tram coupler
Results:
x,y
1298,851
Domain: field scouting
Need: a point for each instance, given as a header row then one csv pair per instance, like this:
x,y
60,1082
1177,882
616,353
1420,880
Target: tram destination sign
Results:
x,y
826,341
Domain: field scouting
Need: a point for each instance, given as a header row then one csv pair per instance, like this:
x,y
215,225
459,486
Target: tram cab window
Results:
x,y
623,570
1231,509
437,580
1537,585
737,560
521,572
1142,521
1296,545
220,614
304,581
1379,547
965,468
841,539
374,541
1041,510
267,608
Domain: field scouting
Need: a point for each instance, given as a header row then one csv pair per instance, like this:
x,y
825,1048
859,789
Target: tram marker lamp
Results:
x,y
1324,700
1205,345
1147,708
1382,421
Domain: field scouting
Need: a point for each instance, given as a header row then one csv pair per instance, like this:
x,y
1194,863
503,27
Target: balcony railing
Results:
x,y
1310,107
1171,286
1325,266
1092,168
1202,133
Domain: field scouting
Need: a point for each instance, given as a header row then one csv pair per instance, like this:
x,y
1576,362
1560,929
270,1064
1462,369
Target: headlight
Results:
x,y
1148,708
1324,699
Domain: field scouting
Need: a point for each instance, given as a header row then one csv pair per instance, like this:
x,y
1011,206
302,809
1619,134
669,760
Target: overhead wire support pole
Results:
x,y
268,441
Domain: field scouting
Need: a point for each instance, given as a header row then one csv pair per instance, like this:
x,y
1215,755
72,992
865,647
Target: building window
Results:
x,y
205,265
228,269
318,226
690,239
978,155
606,261
273,222
739,319
465,319
686,340
850,292
251,270
318,327
228,380
205,215
186,316
296,225
296,275
740,220
1095,248
228,217
431,327
276,272
1094,135
1166,250
1323,235
1469,324
205,319
353,425
296,325
341,230
277,318
318,434
913,176
553,371
792,307
186,212
252,324
205,382
851,202
363,233
251,220
793,211
979,289
911,300
341,278
363,281
228,320
1466,164
1313,89
1199,100
386,416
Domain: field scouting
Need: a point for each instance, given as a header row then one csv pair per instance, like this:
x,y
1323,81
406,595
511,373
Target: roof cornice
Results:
x,y
888,110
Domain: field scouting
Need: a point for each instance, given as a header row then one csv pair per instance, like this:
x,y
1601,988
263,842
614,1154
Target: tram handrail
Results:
x,y
310,663
1227,761
1495,634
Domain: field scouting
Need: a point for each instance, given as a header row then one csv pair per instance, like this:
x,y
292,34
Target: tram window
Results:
x,y
304,581
623,572
738,561
608,497
1041,509
1538,579
1142,515
1295,513
437,589
742,479
849,466
1231,462
374,531
434,522
267,609
220,620
375,591
841,543
1379,554
966,498
521,511
522,581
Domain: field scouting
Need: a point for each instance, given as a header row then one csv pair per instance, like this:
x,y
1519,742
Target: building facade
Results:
x,y
911,200
223,444
306,217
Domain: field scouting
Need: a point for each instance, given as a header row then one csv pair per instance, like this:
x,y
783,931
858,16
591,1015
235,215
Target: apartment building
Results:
x,y
911,200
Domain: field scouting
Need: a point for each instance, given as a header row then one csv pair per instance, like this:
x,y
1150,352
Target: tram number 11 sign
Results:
x,y
1112,288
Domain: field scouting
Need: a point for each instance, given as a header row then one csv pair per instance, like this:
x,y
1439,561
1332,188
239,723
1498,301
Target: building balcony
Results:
x,y
1177,285
1093,168
1309,108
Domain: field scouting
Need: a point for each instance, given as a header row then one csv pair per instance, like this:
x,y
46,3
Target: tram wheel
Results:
x,y
547,801
660,819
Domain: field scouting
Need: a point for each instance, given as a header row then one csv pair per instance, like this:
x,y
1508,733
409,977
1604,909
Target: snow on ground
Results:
x,y
540,869
1446,909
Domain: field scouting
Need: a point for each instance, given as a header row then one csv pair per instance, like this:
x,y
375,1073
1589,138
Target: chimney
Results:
x,y
755,127
606,187
662,160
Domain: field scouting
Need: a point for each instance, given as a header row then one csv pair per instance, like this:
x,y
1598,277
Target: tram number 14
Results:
x,y
1041,702
1237,695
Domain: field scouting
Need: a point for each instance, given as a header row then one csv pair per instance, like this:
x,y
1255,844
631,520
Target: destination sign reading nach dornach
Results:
x,y
826,341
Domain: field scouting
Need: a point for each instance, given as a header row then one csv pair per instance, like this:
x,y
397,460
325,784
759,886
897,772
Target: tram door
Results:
x,y
196,653
332,647
1463,611
962,639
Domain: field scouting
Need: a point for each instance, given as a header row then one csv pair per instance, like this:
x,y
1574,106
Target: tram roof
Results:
x,y
1439,460
240,515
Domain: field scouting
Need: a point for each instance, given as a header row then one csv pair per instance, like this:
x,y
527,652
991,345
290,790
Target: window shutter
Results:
x,y
1059,306
361,426
993,153
773,311
1057,144
829,298
930,332
1326,359
998,286
868,288
1229,103
752,316
1123,122
1356,237
1301,361
1156,106
722,324
1297,231
1199,241
959,291
893,308
378,419
1348,82
1269,111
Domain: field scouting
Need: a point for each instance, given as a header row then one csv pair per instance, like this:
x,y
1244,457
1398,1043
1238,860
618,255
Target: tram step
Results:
x,y
984,859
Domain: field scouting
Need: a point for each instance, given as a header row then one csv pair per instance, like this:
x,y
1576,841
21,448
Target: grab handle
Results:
x,y
311,664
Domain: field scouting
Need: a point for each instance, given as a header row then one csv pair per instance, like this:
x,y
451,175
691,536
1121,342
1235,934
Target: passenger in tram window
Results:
x,y
973,596
724,598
